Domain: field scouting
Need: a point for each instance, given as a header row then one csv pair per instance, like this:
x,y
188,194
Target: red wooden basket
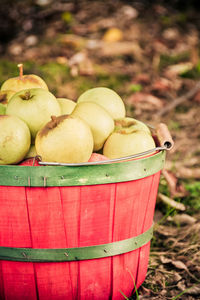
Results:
x,y
77,232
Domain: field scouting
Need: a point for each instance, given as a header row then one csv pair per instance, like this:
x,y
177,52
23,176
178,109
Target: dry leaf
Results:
x,y
165,260
197,97
140,97
175,70
194,290
121,48
184,219
179,265
176,188
162,85
184,172
181,285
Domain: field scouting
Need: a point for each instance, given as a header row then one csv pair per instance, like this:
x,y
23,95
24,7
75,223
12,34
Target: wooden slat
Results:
x,y
47,231
18,277
96,213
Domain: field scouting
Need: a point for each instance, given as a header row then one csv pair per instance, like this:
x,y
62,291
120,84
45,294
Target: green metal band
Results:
x,y
75,254
43,176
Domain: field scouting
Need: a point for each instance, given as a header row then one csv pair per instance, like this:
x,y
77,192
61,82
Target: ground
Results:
x,y
149,54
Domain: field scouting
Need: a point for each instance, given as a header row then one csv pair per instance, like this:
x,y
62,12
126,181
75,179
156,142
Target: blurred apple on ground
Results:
x,y
15,140
35,107
65,139
99,120
106,98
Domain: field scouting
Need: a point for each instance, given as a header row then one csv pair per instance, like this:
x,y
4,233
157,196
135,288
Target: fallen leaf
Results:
x,y
197,97
129,12
171,34
175,187
162,85
194,290
181,285
142,78
184,172
140,97
175,70
121,48
184,219
179,265
165,260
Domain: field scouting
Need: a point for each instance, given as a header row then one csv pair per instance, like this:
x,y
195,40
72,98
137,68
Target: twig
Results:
x,y
179,100
171,202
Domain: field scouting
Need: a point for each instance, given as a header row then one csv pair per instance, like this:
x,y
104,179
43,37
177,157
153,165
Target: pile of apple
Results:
x,y
34,122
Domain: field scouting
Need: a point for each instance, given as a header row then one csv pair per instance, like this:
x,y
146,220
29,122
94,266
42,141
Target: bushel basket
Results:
x,y
78,231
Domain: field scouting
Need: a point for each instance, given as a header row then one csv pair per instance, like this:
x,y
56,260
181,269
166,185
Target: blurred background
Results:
x,y
149,53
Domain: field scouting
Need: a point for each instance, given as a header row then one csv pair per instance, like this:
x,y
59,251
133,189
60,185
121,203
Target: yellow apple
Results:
x,y
65,139
23,82
106,98
129,137
99,120
15,140
35,107
66,105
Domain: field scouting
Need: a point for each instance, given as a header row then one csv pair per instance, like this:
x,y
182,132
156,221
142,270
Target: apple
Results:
x,y
23,82
35,107
2,109
15,140
66,105
4,98
129,137
99,120
97,157
31,153
65,139
29,162
106,98
130,124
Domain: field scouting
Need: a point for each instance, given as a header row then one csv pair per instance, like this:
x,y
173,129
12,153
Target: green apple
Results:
x,y
66,105
23,82
106,98
65,139
35,107
2,109
130,124
15,140
4,98
129,137
99,120
31,153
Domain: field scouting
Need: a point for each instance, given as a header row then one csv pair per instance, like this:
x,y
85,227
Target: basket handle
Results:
x,y
164,136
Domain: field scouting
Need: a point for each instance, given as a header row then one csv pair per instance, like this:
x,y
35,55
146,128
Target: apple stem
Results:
x,y
20,66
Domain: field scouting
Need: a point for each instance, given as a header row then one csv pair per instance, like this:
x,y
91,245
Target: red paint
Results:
x,y
59,217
